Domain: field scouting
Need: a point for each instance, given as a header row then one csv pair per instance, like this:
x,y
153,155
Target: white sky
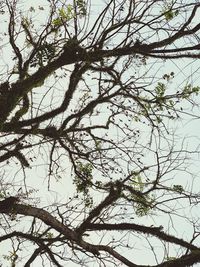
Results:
x,y
58,193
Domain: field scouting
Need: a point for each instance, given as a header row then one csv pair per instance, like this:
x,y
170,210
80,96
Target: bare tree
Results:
x,y
91,94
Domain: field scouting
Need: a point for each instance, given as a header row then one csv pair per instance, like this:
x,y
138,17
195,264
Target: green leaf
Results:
x,y
82,7
57,22
168,11
160,89
62,13
83,178
137,183
169,15
49,235
188,90
98,144
144,205
66,14
178,188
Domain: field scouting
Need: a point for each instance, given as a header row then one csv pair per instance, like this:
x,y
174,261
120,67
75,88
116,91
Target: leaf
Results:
x,y
169,15
62,13
57,22
178,188
83,178
82,7
160,89
168,11
67,14
137,183
188,90
32,9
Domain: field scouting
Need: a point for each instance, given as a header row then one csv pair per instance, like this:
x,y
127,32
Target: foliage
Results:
x,y
178,188
64,16
168,10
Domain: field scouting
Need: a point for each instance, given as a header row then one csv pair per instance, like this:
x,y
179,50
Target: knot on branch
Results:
x,y
72,51
8,203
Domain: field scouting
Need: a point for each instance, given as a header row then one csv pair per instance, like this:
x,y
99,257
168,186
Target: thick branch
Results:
x,y
155,231
113,195
11,97
51,221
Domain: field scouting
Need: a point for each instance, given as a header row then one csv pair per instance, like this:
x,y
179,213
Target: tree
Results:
x,y
91,94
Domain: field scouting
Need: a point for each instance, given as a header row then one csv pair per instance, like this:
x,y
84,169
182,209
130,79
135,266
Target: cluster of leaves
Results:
x,y
160,89
11,258
168,11
142,204
82,181
178,188
81,7
64,15
164,101
68,13
189,90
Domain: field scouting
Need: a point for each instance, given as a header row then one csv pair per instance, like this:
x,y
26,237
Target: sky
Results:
x,y
184,72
